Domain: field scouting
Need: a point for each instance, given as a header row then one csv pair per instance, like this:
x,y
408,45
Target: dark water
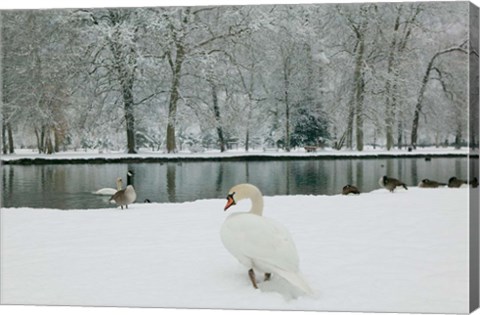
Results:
x,y
71,186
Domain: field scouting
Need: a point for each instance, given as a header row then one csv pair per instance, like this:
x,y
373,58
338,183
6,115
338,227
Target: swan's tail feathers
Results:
x,y
296,279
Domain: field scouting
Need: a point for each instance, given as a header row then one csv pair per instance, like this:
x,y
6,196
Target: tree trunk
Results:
x,y
249,91
40,135
11,147
249,116
418,106
286,85
125,65
57,140
350,119
48,142
389,91
4,138
174,97
400,134
458,136
218,120
129,116
37,136
356,104
359,94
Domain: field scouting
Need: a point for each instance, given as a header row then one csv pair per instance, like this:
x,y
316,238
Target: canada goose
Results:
x,y
349,189
426,183
454,182
259,243
391,183
124,197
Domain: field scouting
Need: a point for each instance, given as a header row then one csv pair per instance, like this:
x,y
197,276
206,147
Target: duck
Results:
x,y
260,243
124,197
110,191
390,183
350,189
427,183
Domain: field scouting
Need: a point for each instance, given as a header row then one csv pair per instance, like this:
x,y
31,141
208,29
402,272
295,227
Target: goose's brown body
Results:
x,y
124,197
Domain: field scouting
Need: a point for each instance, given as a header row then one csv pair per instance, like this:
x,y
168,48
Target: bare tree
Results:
x,y
402,31
426,78
359,24
113,54
190,35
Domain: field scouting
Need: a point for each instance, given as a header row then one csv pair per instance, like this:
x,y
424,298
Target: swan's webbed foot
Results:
x,y
251,274
267,276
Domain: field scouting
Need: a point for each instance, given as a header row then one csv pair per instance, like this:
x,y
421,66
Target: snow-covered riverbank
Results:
x,y
404,252
32,157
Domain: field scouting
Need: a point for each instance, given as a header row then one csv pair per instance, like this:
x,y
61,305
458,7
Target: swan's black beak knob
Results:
x,y
230,202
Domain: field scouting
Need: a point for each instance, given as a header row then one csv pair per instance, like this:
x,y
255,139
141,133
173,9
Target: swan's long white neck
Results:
x,y
257,203
247,191
119,183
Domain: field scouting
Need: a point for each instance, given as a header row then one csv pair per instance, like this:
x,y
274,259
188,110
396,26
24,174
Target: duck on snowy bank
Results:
x,y
427,183
350,189
390,183
259,243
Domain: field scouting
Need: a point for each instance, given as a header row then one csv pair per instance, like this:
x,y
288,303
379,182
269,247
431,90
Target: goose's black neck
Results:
x,y
129,178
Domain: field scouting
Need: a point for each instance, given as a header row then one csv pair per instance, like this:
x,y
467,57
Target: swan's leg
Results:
x,y
267,276
121,207
251,274
126,206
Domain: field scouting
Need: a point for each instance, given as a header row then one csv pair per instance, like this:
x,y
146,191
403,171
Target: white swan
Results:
x,y
260,243
110,191
124,197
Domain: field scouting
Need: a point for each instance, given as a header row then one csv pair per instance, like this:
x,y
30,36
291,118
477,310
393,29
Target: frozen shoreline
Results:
x,y
28,157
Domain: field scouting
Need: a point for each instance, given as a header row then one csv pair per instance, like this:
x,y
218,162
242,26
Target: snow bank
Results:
x,y
27,156
404,252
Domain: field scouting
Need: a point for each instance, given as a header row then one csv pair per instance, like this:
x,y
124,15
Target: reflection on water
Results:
x,y
71,186
171,177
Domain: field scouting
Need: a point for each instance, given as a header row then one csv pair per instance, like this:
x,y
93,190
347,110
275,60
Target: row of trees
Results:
x,y
270,76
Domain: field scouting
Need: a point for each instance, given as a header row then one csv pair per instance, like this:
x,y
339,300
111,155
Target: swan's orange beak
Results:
x,y
230,202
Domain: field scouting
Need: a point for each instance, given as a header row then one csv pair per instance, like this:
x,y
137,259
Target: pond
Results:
x,y
70,186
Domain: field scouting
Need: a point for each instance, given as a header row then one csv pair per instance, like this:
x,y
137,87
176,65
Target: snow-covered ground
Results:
x,y
403,252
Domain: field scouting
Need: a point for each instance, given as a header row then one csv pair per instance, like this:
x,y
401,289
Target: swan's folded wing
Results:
x,y
263,239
